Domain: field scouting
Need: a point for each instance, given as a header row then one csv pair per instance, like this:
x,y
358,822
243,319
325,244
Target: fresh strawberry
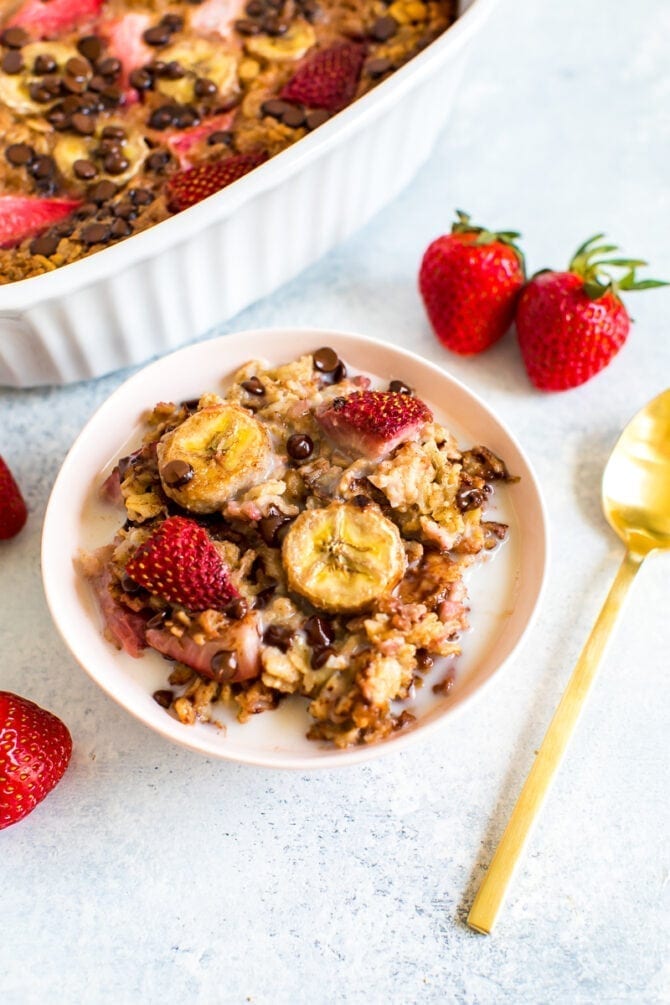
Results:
x,y
327,78
24,215
51,18
470,280
373,423
180,564
35,750
181,143
217,17
125,43
571,324
13,512
185,188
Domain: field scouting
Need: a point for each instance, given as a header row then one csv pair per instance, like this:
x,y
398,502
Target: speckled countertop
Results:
x,y
154,875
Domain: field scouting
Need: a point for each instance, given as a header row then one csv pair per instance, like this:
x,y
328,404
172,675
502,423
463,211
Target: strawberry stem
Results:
x,y
589,263
463,225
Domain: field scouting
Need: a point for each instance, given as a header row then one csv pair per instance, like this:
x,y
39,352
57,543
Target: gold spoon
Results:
x,y
636,503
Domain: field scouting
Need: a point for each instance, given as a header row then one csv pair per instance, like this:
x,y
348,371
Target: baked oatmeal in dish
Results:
x,y
116,114
300,533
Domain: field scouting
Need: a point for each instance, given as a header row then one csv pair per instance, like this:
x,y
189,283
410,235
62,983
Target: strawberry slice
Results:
x,y
13,512
183,141
24,215
51,18
186,188
180,564
373,423
125,43
328,78
217,17
35,750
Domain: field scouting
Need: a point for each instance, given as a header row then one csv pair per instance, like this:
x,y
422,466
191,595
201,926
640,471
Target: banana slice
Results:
x,y
343,558
284,48
69,149
214,454
200,59
15,87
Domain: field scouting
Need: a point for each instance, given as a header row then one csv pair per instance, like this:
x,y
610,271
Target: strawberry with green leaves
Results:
x,y
35,750
571,324
470,280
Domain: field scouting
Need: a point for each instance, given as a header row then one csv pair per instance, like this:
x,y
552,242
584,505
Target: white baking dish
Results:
x,y
166,285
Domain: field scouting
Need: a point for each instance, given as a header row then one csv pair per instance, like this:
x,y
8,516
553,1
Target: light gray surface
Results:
x,y
154,875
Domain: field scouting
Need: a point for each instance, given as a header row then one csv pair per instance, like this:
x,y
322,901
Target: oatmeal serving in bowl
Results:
x,y
293,548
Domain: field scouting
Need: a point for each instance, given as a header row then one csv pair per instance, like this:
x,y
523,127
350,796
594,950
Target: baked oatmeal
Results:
x,y
116,114
300,533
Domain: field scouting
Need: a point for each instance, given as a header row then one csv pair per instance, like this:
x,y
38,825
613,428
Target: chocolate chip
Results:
x,y
113,133
103,191
141,80
19,154
116,163
52,84
378,67
86,170
361,501
325,359
72,85
85,210
400,387
316,118
140,196
245,27
294,118
223,665
204,88
185,116
274,28
173,22
253,386
177,473
157,161
109,67
44,63
263,598
90,46
163,697
12,62
470,498
58,118
321,656
45,245
157,620
94,233
424,660
45,186
162,117
319,631
270,526
238,608
299,446
83,124
78,68
15,38
276,107
42,95
97,84
158,35
111,97
384,28
223,136
339,373
172,70
63,229
278,636
43,167
120,228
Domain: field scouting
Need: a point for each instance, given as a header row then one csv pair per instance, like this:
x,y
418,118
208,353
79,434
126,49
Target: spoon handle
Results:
x,y
493,889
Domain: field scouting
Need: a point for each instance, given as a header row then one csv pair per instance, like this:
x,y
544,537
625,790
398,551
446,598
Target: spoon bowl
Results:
x,y
636,482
